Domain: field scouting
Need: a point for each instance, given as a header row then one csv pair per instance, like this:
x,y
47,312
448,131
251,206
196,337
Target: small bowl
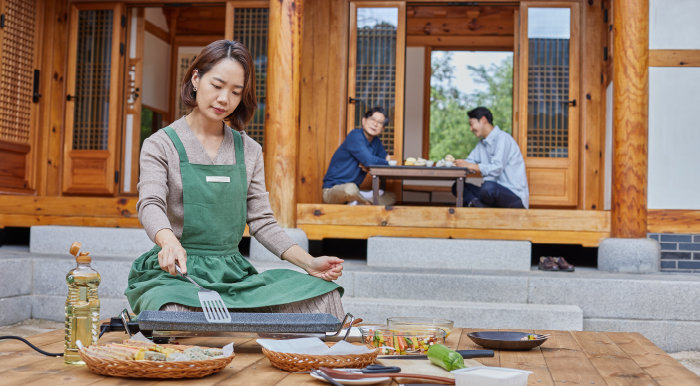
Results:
x,y
419,323
395,341
429,163
392,162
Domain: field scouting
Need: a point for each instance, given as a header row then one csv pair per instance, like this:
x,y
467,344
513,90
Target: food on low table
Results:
x,y
399,342
145,351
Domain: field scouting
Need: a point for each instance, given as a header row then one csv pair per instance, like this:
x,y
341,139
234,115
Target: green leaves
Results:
x,y
449,124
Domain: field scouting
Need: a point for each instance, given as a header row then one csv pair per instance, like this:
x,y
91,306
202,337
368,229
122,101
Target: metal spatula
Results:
x,y
212,304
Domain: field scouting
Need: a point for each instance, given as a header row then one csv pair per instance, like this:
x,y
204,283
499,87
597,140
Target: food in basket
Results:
x,y
145,351
410,161
401,342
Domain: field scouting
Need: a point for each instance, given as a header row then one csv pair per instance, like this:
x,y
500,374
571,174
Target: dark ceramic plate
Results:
x,y
506,340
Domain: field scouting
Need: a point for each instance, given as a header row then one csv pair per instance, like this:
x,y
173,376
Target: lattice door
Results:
x,y
92,119
16,91
548,109
376,67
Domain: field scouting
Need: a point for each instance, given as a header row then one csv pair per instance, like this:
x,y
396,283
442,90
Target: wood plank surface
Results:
x,y
566,358
566,361
611,362
662,368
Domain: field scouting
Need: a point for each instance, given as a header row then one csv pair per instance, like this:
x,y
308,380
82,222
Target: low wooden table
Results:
x,y
567,358
418,172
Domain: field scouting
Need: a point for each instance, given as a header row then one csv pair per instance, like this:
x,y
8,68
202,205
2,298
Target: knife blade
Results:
x,y
464,353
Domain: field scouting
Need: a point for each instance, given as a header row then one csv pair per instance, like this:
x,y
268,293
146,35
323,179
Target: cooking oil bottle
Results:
x,y
82,306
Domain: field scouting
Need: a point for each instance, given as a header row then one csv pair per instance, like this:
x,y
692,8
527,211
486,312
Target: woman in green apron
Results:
x,y
200,183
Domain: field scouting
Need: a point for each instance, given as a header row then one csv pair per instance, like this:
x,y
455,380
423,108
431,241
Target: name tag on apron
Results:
x,y
218,179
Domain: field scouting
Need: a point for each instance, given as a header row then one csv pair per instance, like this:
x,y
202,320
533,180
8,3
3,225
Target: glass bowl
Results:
x,y
396,341
412,323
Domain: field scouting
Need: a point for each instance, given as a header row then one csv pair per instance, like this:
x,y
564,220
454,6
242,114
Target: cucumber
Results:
x,y
442,356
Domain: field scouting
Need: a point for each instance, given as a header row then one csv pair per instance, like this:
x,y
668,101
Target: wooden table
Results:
x,y
567,358
418,172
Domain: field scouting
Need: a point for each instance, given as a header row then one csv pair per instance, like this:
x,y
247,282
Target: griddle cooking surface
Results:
x,y
240,322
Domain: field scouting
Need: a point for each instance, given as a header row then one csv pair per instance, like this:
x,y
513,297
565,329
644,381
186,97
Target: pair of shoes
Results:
x,y
551,263
476,203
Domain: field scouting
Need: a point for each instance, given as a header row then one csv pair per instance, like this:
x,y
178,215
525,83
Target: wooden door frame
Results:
x,y
400,74
111,156
571,163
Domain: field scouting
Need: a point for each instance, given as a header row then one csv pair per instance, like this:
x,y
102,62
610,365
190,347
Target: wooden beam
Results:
x,y
630,118
282,110
674,58
673,221
586,239
592,99
157,31
486,43
449,217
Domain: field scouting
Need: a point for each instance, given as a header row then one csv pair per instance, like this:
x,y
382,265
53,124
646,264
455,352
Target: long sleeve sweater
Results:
x,y
160,203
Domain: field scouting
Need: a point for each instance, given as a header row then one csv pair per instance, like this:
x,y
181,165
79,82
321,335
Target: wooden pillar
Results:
x,y
630,118
282,107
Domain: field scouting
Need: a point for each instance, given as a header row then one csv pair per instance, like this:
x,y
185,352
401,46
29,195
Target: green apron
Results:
x,y
215,204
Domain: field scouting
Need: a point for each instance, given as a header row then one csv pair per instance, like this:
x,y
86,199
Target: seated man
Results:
x,y
498,158
361,148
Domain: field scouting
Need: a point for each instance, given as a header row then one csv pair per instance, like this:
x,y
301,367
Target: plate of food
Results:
x,y
507,340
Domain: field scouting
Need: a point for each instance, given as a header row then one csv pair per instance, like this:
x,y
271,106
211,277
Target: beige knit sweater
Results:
x,y
160,184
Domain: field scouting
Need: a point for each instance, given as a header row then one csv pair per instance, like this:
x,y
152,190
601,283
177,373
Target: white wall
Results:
x,y
156,72
674,98
673,24
674,138
413,122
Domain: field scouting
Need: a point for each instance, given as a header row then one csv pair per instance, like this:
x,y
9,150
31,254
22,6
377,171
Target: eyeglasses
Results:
x,y
379,122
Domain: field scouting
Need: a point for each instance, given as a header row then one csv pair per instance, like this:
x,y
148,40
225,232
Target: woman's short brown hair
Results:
x,y
208,58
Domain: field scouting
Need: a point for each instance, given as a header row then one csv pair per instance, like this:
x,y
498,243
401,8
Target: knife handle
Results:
x,y
475,353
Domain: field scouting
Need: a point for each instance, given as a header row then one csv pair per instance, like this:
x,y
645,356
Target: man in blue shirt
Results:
x,y
348,168
500,162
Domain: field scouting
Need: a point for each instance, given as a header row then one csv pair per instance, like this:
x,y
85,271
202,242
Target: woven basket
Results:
x,y
304,362
154,369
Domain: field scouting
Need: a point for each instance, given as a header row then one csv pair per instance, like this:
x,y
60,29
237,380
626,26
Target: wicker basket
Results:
x,y
154,369
304,362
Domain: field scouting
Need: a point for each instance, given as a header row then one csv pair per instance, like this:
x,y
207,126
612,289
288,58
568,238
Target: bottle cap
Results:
x,y
75,247
83,257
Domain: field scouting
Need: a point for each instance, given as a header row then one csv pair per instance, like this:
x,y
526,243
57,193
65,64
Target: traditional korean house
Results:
x,y
603,113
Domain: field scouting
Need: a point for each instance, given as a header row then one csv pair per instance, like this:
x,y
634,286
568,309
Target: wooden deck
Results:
x,y
557,226
568,358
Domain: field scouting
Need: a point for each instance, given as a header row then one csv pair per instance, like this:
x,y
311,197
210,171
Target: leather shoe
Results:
x,y
563,264
547,263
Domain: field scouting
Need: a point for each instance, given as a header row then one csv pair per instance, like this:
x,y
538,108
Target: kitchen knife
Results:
x,y
464,353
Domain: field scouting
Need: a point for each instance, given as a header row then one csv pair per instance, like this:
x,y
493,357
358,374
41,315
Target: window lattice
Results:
x,y
250,28
92,77
184,60
375,77
547,97
17,75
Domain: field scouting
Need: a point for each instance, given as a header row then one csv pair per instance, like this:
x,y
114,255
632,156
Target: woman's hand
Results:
x,y
171,252
325,267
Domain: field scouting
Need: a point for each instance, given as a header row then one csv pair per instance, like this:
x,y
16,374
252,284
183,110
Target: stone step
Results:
x,y
414,252
56,240
470,314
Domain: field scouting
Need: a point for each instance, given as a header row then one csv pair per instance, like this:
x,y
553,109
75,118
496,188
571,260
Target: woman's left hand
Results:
x,y
326,267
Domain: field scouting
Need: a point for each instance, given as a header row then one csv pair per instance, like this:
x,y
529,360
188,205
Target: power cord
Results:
x,y
102,331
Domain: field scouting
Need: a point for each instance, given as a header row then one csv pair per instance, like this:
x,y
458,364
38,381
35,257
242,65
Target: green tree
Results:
x,y
449,124
448,113
498,94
